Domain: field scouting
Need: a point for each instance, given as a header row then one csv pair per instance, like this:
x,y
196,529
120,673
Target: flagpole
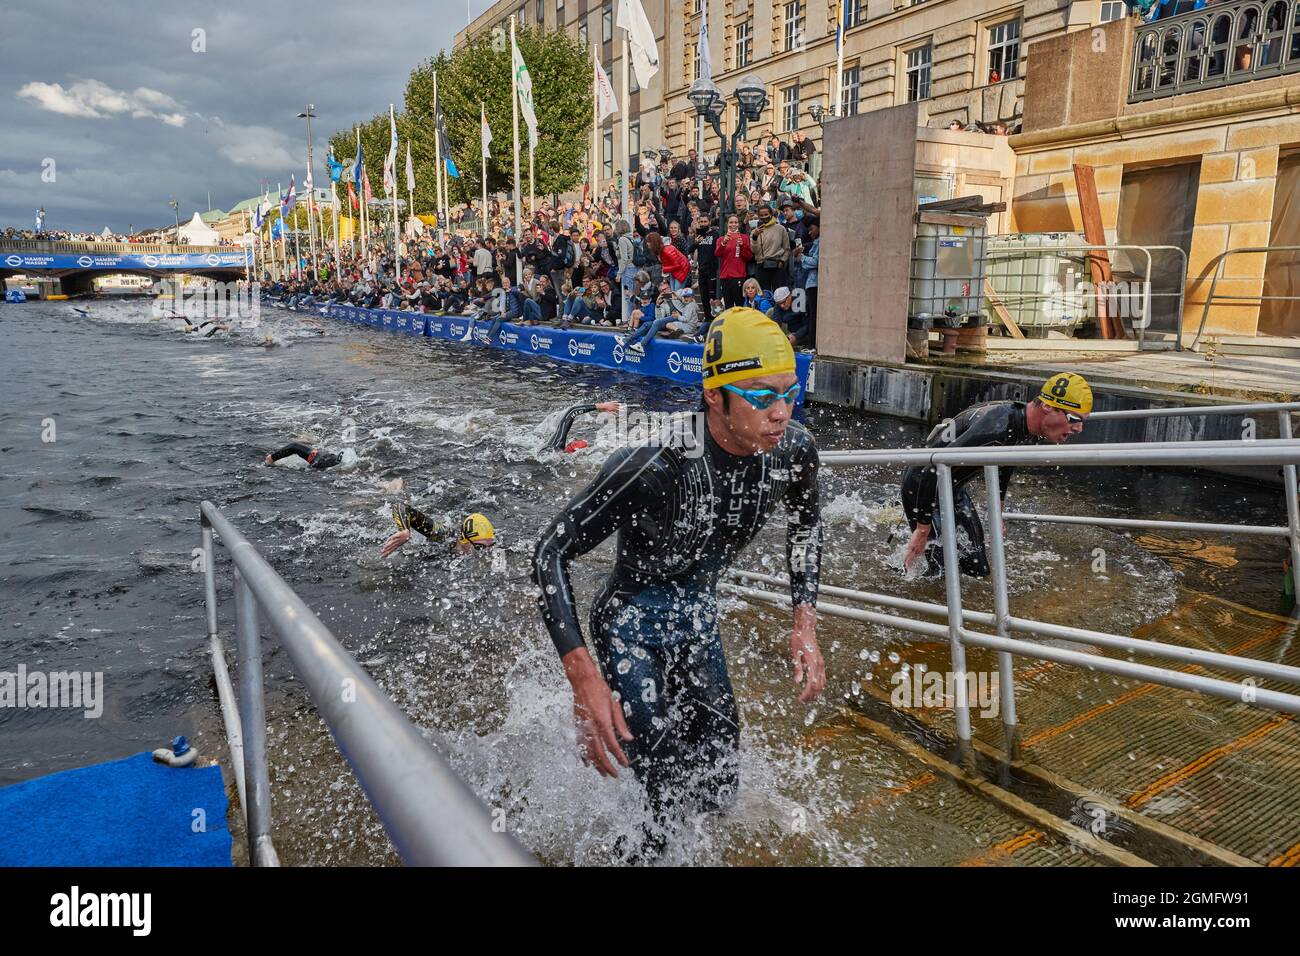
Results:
x,y
397,256
361,200
532,199
248,270
838,84
482,125
626,207
595,125
334,204
514,104
437,162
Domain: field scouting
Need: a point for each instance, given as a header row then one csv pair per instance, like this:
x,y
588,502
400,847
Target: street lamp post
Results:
x,y
307,114
708,101
176,239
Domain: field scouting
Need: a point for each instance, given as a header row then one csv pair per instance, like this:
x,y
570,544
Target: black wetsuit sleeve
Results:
x,y
624,490
419,521
989,428
561,435
293,448
803,536
1004,480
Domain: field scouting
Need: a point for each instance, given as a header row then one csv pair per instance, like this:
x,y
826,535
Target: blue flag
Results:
x,y
334,166
357,167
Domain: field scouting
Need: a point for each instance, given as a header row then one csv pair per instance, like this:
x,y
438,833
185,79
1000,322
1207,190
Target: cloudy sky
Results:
x,y
113,100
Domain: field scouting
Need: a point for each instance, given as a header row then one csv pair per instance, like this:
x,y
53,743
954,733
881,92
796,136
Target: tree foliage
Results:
x,y
480,72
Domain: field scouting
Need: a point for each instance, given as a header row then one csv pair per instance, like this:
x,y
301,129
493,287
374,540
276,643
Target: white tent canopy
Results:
x,y
198,233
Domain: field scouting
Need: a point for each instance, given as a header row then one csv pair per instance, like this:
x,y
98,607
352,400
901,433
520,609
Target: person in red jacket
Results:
x,y
734,254
677,268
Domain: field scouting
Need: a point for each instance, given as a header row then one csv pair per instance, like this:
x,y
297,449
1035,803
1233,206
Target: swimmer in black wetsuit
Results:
x,y
682,514
559,440
1057,413
315,457
476,530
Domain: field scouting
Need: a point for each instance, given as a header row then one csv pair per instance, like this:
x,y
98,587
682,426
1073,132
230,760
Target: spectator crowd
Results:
x,y
664,274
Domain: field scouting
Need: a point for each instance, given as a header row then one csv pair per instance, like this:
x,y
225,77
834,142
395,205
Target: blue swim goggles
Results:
x,y
762,398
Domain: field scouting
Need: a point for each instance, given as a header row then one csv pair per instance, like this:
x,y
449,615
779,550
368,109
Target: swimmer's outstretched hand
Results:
x,y
596,713
608,406
395,542
270,460
809,668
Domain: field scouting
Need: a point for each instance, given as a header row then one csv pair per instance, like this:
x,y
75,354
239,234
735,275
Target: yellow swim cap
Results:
x,y
476,529
1068,392
744,343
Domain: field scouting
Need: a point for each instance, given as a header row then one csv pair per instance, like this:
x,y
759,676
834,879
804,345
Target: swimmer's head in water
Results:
x,y
742,344
477,530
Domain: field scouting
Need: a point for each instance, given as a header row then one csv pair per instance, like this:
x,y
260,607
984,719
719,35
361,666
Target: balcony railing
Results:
x,y
1219,45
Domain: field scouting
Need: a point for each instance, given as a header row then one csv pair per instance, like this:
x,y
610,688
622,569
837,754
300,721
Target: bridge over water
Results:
x,y
77,264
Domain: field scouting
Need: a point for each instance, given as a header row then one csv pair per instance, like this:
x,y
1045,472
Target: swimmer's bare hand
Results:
x,y
596,713
916,545
395,542
270,460
608,406
809,668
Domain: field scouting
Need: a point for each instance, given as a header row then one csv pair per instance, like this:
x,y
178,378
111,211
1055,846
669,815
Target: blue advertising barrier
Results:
x,y
676,361
178,261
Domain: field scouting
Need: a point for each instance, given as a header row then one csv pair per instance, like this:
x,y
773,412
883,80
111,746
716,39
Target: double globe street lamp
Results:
x,y
751,97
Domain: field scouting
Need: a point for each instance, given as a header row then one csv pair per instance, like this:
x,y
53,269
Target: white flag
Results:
x,y
524,89
606,104
706,60
410,169
390,161
640,40
486,137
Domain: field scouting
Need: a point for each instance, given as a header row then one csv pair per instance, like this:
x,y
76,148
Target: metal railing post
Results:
x,y
209,578
1001,610
252,706
225,689
952,584
1292,506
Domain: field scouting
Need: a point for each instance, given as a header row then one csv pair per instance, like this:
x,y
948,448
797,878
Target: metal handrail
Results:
x,y
1218,274
431,815
1146,284
1284,451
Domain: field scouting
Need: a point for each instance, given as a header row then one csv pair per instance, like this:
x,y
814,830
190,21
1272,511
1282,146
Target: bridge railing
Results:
x,y
431,815
104,248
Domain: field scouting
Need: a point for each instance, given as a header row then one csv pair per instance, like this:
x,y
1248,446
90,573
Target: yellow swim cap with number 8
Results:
x,y
744,343
1068,392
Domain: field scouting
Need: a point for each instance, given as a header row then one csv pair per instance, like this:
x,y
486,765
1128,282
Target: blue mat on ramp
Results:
x,y
132,812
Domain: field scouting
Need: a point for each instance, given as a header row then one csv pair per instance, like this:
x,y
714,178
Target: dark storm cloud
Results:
x,y
131,116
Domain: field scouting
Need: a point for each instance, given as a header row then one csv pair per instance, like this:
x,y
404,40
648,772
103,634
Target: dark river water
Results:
x,y
97,528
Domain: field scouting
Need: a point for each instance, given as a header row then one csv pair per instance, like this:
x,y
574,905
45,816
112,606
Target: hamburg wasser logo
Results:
x,y
573,347
533,341
674,362
85,261
213,259
13,260
618,352
151,261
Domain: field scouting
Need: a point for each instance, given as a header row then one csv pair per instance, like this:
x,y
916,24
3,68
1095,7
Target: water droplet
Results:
x,y
624,665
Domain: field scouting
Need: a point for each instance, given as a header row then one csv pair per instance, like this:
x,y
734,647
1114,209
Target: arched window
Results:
x,y
1171,42
1293,56
1243,47
1195,61
1272,41
1144,70
1216,67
